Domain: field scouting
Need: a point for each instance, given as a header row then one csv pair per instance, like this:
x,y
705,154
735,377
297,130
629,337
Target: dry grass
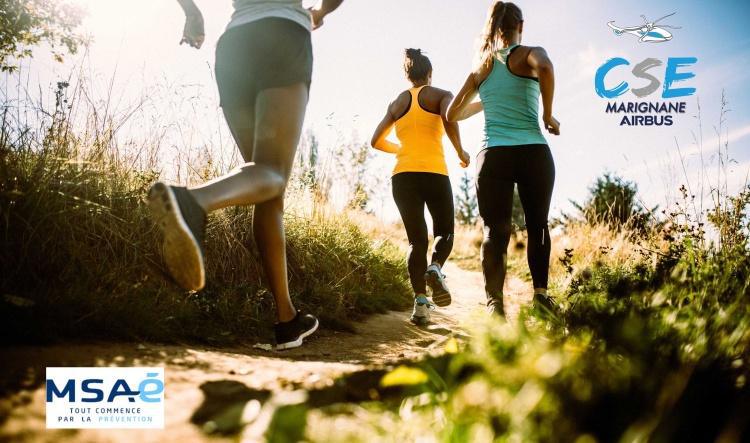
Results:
x,y
580,246
467,243
467,239
79,253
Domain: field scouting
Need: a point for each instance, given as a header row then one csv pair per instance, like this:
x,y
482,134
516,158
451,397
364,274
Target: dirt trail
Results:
x,y
380,340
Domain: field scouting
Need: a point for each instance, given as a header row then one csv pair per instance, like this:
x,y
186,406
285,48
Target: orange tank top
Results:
x,y
420,134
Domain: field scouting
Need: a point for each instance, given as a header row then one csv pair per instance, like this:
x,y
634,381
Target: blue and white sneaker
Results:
x,y
421,314
435,279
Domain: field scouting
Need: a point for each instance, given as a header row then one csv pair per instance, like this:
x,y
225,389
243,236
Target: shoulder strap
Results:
x,y
415,97
504,54
408,107
507,61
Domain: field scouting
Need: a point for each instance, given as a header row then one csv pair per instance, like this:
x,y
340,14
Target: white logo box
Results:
x,y
78,398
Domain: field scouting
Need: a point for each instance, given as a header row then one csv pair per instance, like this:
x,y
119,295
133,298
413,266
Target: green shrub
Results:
x,y
79,256
612,200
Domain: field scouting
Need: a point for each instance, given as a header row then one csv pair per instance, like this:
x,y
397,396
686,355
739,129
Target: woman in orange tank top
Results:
x,y
421,177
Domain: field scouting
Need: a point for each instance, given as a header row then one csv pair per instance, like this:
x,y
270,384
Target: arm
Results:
x,y
471,109
193,34
330,5
323,8
451,129
542,65
189,7
457,109
381,132
463,106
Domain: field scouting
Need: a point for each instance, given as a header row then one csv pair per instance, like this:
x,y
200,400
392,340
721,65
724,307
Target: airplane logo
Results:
x,y
649,32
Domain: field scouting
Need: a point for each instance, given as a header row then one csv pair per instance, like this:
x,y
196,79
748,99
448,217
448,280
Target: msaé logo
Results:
x,y
105,398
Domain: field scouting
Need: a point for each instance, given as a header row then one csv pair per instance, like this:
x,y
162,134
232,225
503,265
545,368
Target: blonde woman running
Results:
x,y
509,81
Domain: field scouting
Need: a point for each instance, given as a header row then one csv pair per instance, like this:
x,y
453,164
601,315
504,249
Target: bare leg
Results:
x,y
280,113
267,135
248,184
268,230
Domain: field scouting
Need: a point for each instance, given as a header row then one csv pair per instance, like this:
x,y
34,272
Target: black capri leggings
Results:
x,y
499,168
412,191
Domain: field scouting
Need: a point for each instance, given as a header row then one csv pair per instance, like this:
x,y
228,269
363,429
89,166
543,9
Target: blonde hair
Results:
x,y
501,17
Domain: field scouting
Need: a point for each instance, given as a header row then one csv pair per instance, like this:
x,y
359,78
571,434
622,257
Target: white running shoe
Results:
x,y
421,314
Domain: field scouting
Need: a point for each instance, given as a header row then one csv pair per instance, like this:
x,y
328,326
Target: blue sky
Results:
x,y
358,56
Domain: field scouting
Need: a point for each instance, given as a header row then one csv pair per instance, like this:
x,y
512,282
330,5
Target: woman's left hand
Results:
x,y
465,158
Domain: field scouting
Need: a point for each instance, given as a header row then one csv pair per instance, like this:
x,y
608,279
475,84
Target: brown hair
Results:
x,y
416,65
501,17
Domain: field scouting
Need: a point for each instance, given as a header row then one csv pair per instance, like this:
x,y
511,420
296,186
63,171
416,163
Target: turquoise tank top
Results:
x,y
511,106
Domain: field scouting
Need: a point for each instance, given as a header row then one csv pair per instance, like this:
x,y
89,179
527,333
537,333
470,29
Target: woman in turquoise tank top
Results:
x,y
509,80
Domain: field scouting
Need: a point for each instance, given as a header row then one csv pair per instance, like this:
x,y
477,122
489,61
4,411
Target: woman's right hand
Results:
x,y
317,15
319,11
551,125
193,34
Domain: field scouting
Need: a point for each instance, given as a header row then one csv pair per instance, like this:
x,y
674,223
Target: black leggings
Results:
x,y
411,191
499,168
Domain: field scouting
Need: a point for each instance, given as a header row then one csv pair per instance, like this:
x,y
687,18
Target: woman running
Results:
x,y
421,177
509,80
263,70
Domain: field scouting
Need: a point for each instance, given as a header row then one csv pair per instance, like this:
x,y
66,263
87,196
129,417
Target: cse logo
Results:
x,y
673,73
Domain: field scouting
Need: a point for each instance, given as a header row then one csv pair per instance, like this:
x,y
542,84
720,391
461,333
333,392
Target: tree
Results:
x,y
466,202
27,23
612,200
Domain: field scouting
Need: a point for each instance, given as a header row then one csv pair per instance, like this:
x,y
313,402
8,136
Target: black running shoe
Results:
x,y
291,333
546,306
182,222
436,281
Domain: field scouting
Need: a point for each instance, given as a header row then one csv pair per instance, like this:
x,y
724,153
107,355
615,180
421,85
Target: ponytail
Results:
x,y
501,17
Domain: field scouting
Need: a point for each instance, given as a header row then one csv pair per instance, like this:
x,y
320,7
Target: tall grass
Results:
x,y
80,255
